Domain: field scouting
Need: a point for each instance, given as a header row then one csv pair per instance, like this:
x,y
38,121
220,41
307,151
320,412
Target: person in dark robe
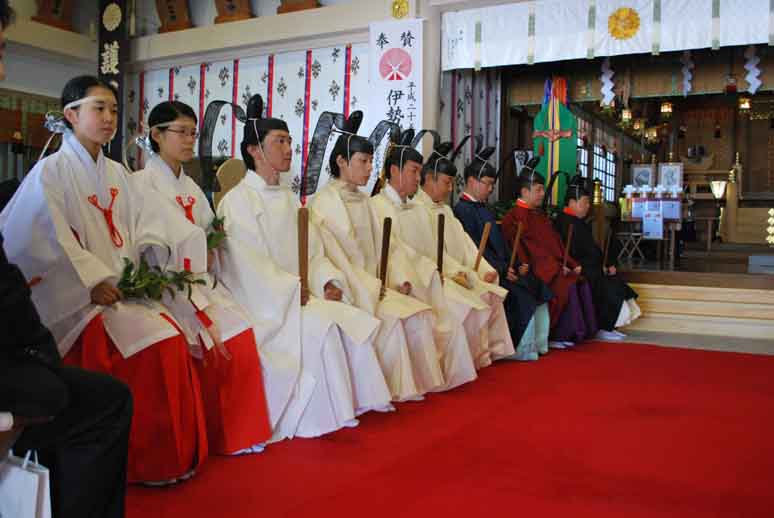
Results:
x,y
7,190
78,421
614,300
525,305
572,312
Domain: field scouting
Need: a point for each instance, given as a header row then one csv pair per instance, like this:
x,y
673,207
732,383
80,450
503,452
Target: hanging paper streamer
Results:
x,y
771,23
687,72
753,72
656,31
592,22
715,24
477,48
531,35
607,83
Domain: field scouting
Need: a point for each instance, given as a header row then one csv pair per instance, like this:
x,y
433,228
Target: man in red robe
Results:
x,y
571,309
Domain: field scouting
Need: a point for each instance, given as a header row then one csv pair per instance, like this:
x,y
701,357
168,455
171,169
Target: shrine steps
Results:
x,y
737,305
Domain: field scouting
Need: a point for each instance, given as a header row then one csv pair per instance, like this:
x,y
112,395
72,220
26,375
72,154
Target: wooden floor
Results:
x,y
723,258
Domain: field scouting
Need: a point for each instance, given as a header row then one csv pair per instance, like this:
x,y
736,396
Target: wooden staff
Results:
x,y
567,246
607,249
303,253
482,245
516,242
439,254
385,256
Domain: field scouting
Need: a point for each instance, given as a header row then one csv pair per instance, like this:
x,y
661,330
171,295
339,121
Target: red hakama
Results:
x,y
168,435
234,398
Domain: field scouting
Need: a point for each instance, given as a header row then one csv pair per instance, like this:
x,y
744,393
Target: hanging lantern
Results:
x,y
718,188
626,115
666,109
651,134
745,104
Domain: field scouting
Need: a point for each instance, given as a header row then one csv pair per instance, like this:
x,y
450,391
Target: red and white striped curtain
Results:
x,y
296,87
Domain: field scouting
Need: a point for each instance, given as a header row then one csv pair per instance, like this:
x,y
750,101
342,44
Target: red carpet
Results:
x,y
608,430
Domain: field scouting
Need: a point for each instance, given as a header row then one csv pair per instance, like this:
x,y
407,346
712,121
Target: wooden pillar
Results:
x,y
728,227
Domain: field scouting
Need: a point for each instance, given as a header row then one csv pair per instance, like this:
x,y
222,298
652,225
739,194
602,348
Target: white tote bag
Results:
x,y
24,488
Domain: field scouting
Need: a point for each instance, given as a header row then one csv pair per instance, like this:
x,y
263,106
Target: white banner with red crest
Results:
x,y
395,61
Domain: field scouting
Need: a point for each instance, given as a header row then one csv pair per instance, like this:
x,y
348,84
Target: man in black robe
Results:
x,y
614,300
527,295
78,421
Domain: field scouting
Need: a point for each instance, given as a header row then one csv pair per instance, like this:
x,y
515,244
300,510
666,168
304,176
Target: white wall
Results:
x,y
30,72
40,59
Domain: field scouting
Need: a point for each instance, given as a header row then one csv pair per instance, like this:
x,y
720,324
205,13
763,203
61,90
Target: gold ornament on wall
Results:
x,y
624,23
111,17
400,8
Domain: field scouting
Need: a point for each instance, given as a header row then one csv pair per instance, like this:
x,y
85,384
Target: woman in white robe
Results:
x,y
319,364
220,330
74,221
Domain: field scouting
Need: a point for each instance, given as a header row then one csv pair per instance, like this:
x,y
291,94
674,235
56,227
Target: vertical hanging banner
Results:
x,y
113,55
395,62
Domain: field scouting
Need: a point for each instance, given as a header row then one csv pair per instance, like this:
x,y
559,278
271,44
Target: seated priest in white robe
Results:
x,y
459,257
353,241
458,316
218,330
71,227
320,368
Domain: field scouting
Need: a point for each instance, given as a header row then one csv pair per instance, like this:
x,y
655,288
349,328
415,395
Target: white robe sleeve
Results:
x,y
41,242
363,287
321,269
250,272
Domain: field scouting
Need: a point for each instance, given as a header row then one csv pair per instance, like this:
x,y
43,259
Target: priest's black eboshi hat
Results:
x,y
479,167
438,162
401,151
257,127
349,142
578,187
528,176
